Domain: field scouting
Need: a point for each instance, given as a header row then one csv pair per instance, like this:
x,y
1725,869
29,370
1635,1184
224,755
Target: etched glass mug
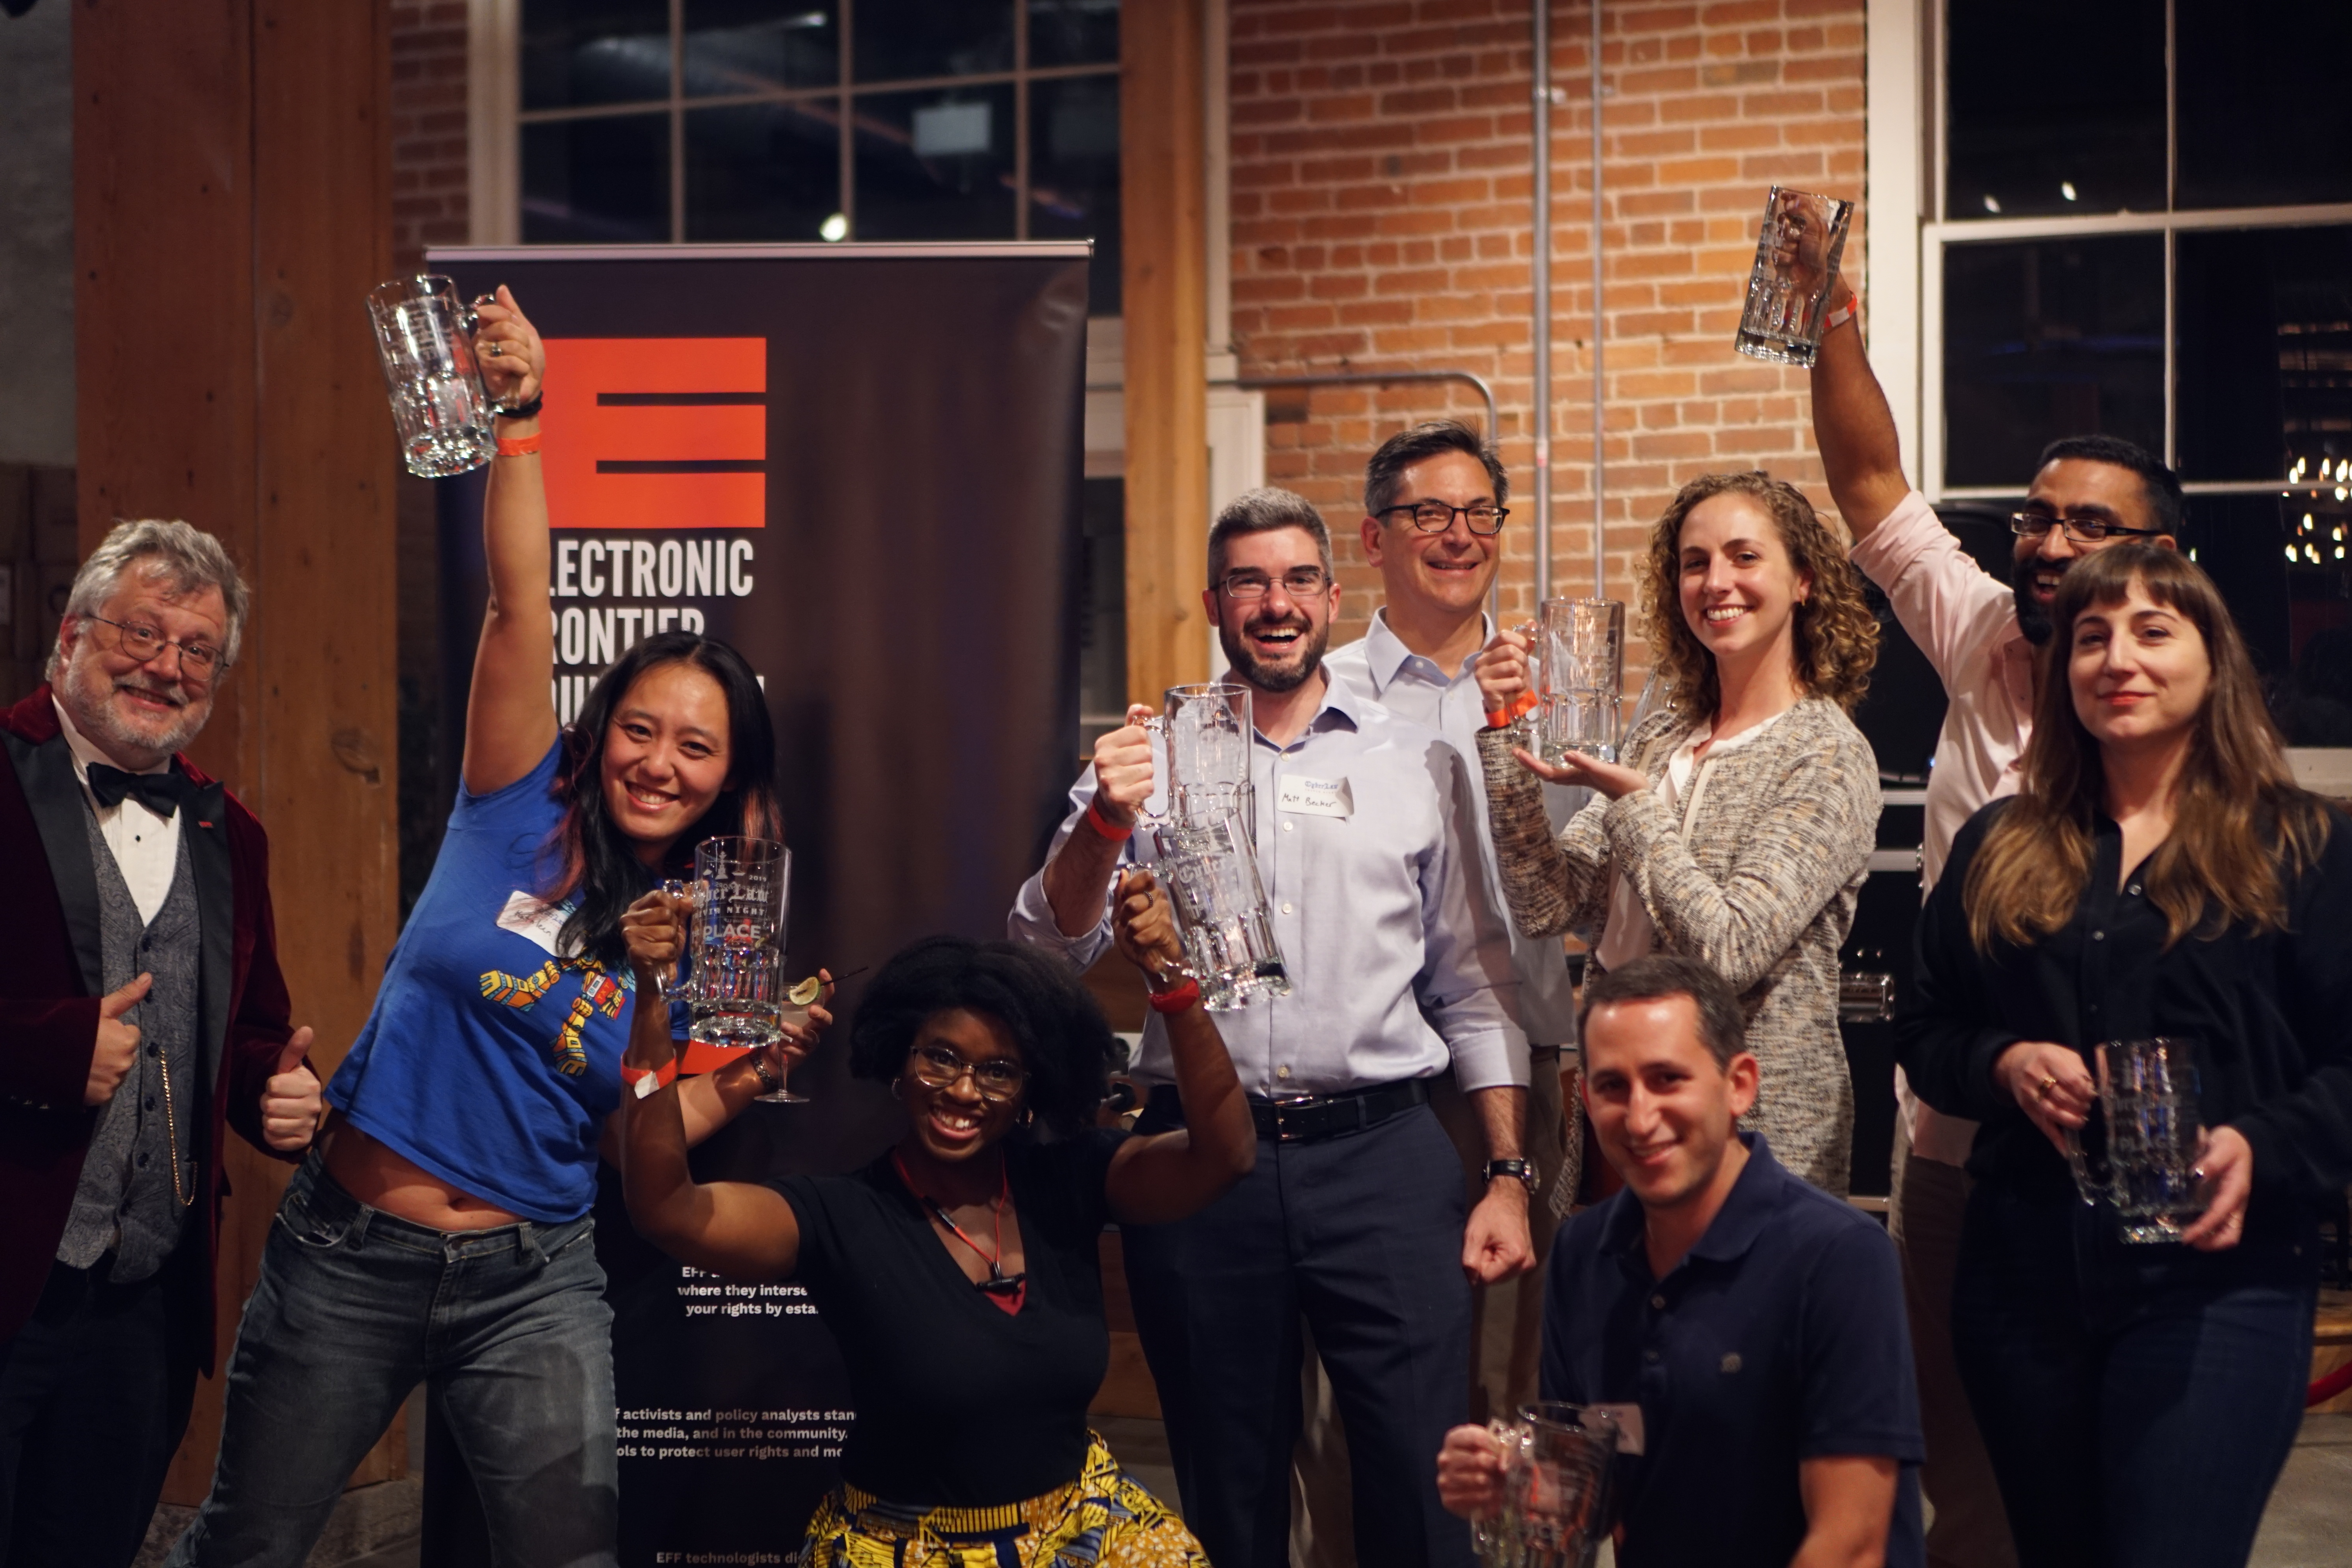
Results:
x,y
732,977
1579,677
1207,848
424,339
1559,1462
2148,1095
1206,730
1789,287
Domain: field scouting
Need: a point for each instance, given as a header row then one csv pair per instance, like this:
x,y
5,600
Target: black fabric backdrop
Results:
x,y
913,609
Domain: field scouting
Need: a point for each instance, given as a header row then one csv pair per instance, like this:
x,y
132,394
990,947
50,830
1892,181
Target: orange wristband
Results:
x,y
519,446
643,1081
1176,998
1104,825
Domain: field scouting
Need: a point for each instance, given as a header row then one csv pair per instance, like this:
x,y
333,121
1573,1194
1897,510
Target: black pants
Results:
x,y
1362,1235
2139,1402
94,1398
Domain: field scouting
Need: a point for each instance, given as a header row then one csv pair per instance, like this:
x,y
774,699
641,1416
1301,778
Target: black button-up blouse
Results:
x,y
2269,1014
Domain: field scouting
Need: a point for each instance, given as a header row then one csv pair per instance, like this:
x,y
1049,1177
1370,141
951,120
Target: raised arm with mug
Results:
x,y
1739,827
441,1234
2135,973
959,1272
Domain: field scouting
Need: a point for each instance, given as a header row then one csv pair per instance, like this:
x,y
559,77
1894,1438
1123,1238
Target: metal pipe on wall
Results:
x,y
1600,331
1541,268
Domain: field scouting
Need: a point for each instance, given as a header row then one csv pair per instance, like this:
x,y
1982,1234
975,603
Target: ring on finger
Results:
x,y
2047,1085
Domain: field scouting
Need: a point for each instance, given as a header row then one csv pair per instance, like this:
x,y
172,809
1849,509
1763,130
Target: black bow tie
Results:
x,y
161,792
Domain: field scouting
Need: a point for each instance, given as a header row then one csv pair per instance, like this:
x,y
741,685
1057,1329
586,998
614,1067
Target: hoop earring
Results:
x,y
898,1087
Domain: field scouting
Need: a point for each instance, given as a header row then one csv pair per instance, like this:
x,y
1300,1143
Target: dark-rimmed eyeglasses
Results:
x,y
198,660
1299,583
997,1079
2082,531
1436,517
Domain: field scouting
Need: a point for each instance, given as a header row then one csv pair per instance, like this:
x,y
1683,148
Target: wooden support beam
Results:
x,y
232,207
1164,280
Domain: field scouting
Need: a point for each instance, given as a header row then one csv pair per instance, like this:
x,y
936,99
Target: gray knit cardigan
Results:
x,y
1764,890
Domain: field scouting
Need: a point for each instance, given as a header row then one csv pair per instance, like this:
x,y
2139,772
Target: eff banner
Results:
x,y
860,465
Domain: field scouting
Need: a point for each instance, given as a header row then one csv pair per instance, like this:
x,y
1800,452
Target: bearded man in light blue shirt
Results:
x,y
1401,967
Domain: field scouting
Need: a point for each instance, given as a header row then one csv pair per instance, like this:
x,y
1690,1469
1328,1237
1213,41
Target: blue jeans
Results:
x,y
2138,1402
352,1310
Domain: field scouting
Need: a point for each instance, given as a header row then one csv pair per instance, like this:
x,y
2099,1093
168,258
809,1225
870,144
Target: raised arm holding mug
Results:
x,y
1739,828
443,1233
142,1015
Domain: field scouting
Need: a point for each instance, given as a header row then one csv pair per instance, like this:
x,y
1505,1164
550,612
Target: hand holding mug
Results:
x,y
1470,1469
655,930
1504,673
1123,768
508,349
1143,924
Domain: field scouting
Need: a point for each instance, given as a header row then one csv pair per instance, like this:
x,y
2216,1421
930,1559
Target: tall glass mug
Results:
x,y
1207,731
424,339
734,983
1211,871
2148,1094
1789,287
1580,678
1559,1462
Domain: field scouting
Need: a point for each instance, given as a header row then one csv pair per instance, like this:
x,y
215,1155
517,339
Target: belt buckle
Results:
x,y
1289,1102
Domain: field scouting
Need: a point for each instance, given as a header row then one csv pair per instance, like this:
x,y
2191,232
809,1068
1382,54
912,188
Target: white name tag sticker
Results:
x,y
528,917
1629,1427
1315,797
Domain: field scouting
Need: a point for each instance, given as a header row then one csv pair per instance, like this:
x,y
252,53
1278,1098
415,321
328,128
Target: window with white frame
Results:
x,y
724,119
2142,226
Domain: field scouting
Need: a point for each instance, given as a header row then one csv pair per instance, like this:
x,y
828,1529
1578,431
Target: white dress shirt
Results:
x,y
146,847
1965,620
1378,666
1396,965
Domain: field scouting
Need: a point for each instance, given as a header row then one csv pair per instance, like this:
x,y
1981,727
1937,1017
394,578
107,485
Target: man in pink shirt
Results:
x,y
1980,633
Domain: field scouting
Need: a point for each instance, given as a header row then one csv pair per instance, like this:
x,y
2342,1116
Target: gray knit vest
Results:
x,y
125,1199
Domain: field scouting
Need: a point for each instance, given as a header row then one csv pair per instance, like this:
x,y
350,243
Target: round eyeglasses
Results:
x,y
997,1079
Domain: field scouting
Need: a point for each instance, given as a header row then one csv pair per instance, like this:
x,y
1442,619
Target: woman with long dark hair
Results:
x,y
959,1272
1738,827
2160,876
440,1230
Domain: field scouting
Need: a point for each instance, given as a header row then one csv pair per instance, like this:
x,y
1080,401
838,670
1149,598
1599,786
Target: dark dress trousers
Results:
x,y
81,1358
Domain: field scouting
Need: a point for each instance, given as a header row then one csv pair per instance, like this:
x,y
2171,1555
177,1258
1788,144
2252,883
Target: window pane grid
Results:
x,y
959,116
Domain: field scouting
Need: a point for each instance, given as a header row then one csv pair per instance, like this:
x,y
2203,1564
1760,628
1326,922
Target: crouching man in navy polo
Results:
x,y
1747,1329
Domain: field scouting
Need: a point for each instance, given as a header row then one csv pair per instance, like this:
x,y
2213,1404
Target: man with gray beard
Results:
x,y
142,1015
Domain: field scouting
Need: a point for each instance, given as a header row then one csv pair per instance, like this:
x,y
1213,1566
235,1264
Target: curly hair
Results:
x,y
1055,1021
1837,635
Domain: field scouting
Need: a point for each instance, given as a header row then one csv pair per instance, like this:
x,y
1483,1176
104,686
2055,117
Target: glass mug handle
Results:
x,y
1491,1532
682,988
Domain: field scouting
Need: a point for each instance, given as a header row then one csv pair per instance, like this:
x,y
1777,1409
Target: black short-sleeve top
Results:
x,y
961,1404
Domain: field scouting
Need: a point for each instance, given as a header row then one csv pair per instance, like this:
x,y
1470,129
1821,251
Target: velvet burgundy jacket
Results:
x,y
49,988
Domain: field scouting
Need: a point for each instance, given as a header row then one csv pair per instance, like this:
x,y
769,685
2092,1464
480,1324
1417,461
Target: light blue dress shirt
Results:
x,y
1399,961
1378,666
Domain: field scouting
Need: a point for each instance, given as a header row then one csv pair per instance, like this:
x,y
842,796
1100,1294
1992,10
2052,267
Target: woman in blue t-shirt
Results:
x,y
440,1231
961,1271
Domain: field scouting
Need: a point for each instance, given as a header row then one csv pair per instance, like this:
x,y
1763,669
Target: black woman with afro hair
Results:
x,y
959,1271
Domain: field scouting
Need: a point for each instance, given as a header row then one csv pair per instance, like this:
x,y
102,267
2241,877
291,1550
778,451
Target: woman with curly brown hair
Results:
x,y
1740,825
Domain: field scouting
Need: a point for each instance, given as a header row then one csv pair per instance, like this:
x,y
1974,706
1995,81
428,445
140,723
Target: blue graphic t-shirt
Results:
x,y
492,1059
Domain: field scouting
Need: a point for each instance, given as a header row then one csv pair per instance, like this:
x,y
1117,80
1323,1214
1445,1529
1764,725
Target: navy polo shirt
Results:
x,y
1781,1337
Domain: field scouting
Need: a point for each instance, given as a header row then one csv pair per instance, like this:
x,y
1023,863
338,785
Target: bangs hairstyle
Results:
x,y
2241,825
1837,635
1053,1019
597,862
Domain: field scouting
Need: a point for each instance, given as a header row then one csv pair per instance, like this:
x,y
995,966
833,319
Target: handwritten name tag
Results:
x,y
1315,797
528,917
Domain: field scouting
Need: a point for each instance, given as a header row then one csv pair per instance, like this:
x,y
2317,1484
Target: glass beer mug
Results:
x,y
2148,1095
733,976
1579,677
1789,287
424,339
1559,1462
1207,846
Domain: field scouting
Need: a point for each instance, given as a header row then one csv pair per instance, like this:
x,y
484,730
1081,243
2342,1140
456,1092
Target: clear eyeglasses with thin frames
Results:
x,y
2082,531
997,1080
198,661
1303,582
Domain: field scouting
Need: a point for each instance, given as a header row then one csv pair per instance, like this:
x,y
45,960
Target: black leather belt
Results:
x,y
1306,1117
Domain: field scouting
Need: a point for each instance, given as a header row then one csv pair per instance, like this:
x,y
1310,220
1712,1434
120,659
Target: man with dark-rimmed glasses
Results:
x,y
142,1015
2087,492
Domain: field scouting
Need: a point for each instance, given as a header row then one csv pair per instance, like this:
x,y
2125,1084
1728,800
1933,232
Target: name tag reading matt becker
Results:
x,y
1315,797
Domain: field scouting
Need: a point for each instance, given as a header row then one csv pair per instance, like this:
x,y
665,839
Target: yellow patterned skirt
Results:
x,y
1102,1520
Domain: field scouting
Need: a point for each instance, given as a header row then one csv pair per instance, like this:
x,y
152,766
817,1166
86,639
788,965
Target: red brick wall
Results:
x,y
1381,182
428,128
